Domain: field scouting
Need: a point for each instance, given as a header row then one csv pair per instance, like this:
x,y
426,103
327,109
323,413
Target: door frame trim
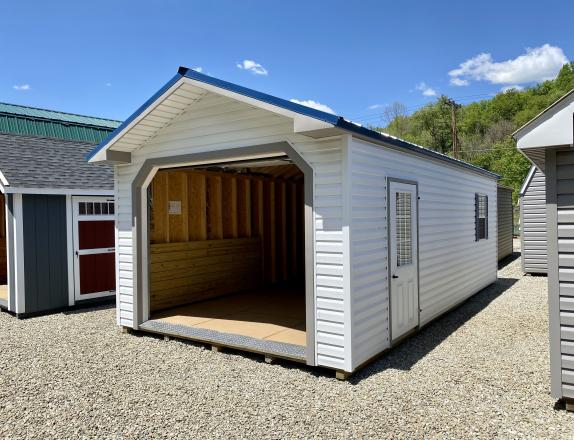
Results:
x,y
416,185
76,236
140,222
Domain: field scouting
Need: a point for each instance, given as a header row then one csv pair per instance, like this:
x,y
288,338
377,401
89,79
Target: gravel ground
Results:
x,y
480,372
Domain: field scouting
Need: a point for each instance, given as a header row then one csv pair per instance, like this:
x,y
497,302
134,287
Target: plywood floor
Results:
x,y
272,314
3,292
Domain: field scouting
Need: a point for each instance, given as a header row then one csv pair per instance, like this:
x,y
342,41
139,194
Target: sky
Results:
x,y
105,58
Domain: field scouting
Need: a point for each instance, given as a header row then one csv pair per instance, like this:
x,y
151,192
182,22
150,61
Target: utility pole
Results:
x,y
455,147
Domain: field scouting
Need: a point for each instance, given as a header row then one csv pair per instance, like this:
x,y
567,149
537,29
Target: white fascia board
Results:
x,y
101,155
3,180
301,122
59,191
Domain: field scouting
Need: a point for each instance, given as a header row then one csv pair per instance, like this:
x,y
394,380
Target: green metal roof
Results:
x,y
49,123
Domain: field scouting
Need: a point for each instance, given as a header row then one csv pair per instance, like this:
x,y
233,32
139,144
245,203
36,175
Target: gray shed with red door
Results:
x,y
58,241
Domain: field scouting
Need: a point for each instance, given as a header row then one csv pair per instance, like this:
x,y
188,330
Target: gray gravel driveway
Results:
x,y
479,372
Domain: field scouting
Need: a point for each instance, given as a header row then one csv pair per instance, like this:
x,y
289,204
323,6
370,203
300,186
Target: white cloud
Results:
x,y
314,104
536,65
514,87
425,89
108,84
197,69
459,82
21,87
376,106
253,67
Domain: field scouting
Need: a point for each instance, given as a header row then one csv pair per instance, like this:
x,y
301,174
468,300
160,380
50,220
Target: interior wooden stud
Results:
x,y
214,208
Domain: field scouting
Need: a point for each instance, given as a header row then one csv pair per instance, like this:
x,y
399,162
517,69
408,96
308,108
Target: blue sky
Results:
x,y
106,58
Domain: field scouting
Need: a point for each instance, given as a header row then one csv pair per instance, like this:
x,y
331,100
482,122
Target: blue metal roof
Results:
x,y
332,119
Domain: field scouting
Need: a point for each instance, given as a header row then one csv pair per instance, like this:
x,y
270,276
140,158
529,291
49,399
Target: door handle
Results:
x,y
395,276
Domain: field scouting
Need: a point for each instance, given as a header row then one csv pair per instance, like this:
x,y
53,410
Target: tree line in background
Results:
x,y
480,132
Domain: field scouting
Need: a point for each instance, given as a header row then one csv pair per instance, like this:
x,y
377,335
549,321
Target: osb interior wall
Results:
x,y
213,233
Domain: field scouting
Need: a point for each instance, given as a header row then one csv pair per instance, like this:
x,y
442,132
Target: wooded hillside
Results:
x,y
483,128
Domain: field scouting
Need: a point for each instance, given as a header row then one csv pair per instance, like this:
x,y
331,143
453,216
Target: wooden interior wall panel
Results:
x,y
244,207
229,207
177,192
222,206
181,273
197,205
269,231
214,208
159,223
283,253
293,220
257,218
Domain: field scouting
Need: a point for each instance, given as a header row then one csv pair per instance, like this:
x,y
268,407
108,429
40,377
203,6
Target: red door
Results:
x,y
95,247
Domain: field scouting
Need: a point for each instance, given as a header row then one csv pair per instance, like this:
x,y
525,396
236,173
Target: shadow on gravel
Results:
x,y
560,405
507,260
408,353
90,308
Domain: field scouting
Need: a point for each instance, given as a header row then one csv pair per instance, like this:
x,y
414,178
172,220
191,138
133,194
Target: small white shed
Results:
x,y
249,221
533,223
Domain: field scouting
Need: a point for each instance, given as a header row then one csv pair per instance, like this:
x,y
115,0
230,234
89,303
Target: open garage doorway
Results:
x,y
227,255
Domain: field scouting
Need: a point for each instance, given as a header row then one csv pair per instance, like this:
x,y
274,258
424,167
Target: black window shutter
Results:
x,y
486,221
476,217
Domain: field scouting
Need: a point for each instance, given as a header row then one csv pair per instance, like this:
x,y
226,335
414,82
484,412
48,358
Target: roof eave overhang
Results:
x,y
554,107
306,120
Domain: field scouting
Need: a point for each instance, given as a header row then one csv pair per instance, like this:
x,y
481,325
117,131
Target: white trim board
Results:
x,y
9,256
19,287
70,249
60,191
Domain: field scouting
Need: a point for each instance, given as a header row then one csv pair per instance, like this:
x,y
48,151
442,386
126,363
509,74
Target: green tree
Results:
x,y
484,127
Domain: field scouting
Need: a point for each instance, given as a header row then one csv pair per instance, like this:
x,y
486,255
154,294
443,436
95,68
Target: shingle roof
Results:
x,y
36,162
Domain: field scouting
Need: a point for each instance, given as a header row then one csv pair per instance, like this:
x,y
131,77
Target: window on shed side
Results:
x,y
481,216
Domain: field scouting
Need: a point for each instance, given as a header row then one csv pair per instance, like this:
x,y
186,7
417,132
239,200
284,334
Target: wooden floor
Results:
x,y
3,292
272,314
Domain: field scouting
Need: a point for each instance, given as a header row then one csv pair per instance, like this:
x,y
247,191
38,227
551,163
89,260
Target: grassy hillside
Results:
x,y
483,128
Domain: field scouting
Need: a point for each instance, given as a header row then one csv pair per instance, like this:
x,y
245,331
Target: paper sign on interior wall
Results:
x,y
174,207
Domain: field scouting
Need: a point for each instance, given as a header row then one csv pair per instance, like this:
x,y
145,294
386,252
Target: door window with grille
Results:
x,y
404,236
481,216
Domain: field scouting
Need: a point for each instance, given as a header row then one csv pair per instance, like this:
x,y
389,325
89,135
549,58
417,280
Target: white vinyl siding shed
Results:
x,y
196,114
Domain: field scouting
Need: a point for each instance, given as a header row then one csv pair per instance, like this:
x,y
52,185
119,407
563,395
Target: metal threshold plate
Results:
x,y
240,342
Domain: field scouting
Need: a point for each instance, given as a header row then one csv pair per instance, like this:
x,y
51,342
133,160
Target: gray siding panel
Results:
x,y
505,222
45,252
533,227
564,250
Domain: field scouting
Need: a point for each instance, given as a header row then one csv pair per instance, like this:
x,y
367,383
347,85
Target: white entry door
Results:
x,y
94,247
403,242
